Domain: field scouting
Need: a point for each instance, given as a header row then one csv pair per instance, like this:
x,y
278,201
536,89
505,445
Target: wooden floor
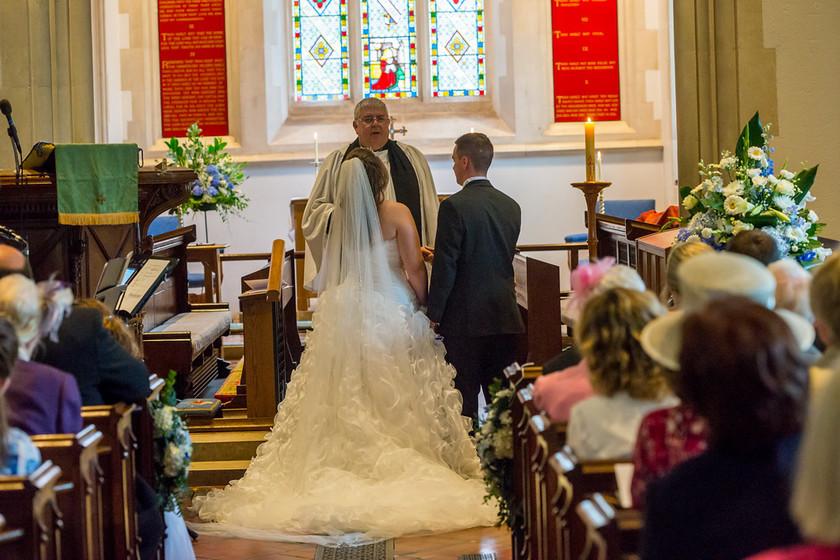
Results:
x,y
446,546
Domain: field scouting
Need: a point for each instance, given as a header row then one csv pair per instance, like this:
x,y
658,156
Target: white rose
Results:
x,y
706,233
785,187
733,188
759,181
773,180
755,153
173,460
735,205
727,162
786,174
503,443
689,202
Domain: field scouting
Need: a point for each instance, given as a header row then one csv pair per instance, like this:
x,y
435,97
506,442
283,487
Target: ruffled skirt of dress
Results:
x,y
369,442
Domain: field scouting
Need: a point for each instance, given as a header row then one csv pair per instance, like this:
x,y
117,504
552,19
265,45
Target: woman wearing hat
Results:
x,y
740,367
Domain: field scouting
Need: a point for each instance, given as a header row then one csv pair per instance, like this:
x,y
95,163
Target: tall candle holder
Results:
x,y
591,190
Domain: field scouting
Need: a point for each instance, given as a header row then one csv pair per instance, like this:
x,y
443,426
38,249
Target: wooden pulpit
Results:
x,y
77,254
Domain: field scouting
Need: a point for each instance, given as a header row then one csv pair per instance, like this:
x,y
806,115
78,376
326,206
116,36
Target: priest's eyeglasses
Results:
x,y
370,119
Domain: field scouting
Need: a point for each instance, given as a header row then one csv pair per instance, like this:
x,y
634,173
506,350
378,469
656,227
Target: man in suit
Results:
x,y
471,296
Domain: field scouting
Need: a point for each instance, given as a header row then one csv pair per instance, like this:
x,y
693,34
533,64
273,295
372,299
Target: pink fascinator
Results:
x,y
584,280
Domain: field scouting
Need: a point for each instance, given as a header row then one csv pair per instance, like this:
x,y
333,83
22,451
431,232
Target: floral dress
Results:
x,y
666,438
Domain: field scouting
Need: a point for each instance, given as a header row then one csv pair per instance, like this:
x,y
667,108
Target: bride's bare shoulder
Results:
x,y
394,211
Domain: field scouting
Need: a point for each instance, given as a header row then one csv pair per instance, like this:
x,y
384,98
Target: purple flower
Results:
x,y
197,190
807,257
212,170
212,191
215,180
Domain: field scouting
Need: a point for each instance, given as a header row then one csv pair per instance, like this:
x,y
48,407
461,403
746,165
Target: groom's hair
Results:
x,y
478,148
375,169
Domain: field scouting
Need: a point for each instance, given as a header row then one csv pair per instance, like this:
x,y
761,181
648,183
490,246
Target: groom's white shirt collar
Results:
x,y
471,179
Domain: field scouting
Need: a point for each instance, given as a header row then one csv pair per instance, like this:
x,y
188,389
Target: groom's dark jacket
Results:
x,y
472,290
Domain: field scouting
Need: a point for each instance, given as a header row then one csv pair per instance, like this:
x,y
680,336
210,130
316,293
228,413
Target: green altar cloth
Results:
x,y
96,184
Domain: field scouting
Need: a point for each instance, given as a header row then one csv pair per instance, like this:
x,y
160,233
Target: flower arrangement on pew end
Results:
x,y
173,448
742,192
219,177
494,443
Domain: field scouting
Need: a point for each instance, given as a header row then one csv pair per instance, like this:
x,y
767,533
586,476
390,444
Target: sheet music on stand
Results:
x,y
142,284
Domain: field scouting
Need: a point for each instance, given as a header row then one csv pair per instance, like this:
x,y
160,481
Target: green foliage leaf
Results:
x,y
751,135
804,180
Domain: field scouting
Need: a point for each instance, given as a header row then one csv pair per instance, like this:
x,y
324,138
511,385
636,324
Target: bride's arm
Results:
x,y
409,245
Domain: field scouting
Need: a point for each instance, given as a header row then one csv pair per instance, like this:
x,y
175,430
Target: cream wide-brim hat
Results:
x,y
708,277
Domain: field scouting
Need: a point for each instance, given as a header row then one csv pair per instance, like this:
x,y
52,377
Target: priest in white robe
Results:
x,y
410,183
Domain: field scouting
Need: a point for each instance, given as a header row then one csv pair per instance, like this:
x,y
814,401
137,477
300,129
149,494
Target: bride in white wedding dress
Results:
x,y
369,442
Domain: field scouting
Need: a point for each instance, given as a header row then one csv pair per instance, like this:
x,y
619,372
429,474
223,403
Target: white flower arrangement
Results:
x,y
219,177
494,443
741,193
173,448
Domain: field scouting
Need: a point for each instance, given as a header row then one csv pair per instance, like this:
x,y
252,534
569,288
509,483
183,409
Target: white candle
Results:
x,y
599,165
315,137
589,137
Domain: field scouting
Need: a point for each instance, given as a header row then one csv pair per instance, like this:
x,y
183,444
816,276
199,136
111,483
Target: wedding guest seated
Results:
x,y
741,369
825,304
793,287
815,505
679,254
105,372
755,243
627,383
150,525
568,382
41,399
669,437
18,455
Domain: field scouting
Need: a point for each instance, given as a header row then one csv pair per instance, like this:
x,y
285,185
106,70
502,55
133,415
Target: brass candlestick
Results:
x,y
590,190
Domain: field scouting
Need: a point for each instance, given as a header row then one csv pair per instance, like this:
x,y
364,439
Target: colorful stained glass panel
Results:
x,y
457,39
321,55
389,43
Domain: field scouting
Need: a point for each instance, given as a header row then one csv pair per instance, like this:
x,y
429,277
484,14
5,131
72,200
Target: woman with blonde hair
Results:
x,y
679,254
41,398
627,382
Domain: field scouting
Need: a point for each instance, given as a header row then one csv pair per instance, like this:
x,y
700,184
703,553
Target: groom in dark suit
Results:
x,y
471,296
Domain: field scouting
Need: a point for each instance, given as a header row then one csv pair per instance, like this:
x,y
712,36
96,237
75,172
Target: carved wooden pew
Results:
x,y
78,491
575,481
519,381
537,269
271,340
611,534
33,523
178,335
117,461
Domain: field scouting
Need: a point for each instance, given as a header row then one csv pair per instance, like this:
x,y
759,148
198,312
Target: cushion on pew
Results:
x,y
204,327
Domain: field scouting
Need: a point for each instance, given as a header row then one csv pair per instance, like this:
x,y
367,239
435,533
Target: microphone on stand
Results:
x,y
6,109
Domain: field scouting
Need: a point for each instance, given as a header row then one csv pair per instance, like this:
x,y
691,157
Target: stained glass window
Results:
x,y
457,38
389,42
321,53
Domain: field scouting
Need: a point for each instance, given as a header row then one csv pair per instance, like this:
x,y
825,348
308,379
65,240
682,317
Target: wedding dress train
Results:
x,y
369,442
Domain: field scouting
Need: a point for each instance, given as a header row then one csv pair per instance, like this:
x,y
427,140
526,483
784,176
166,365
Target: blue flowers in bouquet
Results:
x,y
219,177
743,192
